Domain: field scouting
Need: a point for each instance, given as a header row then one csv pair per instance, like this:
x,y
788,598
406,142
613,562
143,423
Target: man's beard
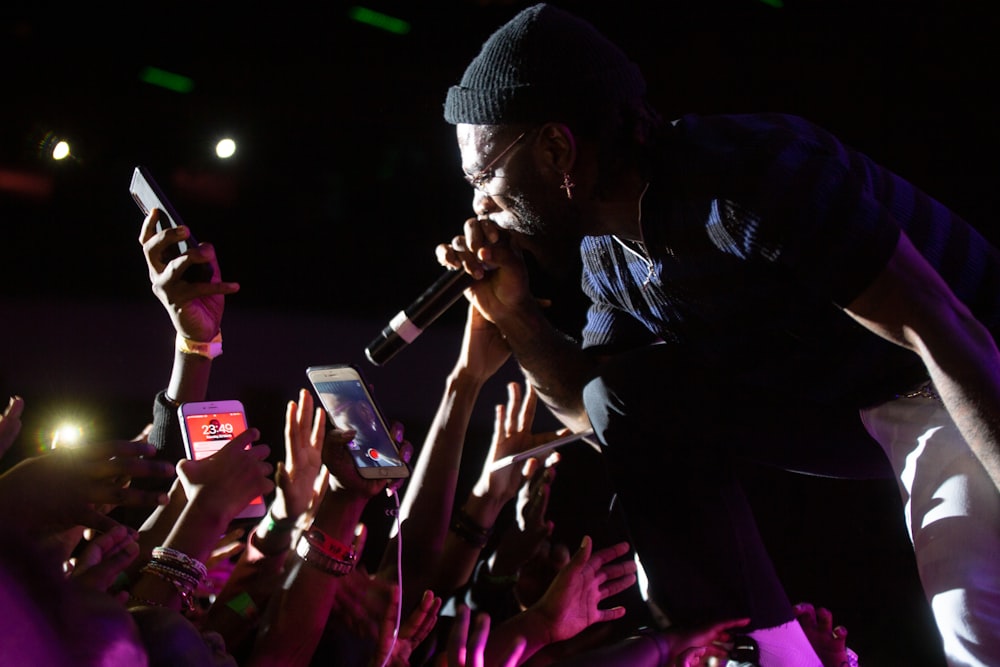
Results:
x,y
550,234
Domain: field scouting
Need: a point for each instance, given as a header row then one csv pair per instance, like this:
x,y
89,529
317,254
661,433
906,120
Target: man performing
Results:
x,y
755,286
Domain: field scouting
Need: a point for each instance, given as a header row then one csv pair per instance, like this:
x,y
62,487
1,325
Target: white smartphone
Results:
x,y
207,426
349,404
540,450
148,195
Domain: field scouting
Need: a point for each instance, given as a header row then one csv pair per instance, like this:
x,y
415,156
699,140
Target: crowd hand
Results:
x,y
571,603
829,642
194,308
528,539
229,545
344,477
360,599
536,573
511,434
228,480
467,642
64,488
295,478
104,558
10,423
394,649
690,647
485,251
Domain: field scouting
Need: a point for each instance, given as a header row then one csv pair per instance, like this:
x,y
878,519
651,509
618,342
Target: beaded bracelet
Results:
x,y
469,531
180,560
183,583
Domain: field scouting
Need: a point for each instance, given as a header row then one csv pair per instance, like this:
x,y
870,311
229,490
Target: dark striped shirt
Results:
x,y
758,230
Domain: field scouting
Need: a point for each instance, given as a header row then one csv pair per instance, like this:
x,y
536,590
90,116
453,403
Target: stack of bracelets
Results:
x,y
179,570
469,531
325,553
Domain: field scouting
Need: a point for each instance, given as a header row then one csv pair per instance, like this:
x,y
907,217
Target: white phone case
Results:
x,y
349,404
206,427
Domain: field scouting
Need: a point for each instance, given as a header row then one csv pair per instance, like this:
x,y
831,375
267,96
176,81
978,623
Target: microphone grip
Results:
x,y
410,322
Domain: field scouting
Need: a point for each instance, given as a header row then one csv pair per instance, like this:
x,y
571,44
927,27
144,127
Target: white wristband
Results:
x,y
210,349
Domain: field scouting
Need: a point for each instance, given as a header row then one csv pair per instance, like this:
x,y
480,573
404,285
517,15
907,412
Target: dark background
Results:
x,y
346,176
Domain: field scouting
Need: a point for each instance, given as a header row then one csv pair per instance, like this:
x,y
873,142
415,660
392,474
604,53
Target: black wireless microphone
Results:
x,y
410,322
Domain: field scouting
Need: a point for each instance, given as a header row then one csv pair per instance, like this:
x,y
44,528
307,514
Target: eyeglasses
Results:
x,y
482,178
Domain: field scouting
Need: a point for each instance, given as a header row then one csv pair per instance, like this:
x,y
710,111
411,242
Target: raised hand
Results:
x,y
572,602
225,482
63,488
695,646
414,630
194,308
305,429
105,557
511,434
467,642
829,641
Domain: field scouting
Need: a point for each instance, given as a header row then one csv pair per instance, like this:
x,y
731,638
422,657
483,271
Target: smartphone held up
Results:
x,y
148,195
349,405
206,427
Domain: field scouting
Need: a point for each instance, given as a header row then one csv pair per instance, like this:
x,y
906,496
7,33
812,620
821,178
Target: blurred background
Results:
x,y
342,176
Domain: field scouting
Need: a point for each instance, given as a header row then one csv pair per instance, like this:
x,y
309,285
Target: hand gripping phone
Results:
x,y
207,426
349,404
148,195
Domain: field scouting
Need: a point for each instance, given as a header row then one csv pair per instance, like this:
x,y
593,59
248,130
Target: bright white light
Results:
x,y
60,151
67,435
225,148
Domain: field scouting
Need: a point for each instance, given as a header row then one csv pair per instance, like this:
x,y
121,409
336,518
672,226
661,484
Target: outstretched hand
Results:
x,y
64,488
467,642
195,308
829,641
695,646
104,558
572,602
412,631
228,480
295,478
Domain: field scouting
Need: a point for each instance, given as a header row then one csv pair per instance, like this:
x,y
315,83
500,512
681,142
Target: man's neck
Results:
x,y
618,213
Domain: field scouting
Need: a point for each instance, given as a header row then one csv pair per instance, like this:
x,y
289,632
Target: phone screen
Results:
x,y
207,433
350,407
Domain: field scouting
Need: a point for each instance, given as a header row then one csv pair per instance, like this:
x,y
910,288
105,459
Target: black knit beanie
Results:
x,y
543,65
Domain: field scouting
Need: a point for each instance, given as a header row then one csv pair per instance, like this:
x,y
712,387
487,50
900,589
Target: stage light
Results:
x,y
225,148
379,20
60,150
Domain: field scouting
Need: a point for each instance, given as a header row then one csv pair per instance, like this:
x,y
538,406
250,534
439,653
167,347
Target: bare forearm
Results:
x,y
966,377
189,378
504,637
430,492
297,612
427,506
553,363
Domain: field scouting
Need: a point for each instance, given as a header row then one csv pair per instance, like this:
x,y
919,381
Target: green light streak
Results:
x,y
155,76
379,20
778,4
